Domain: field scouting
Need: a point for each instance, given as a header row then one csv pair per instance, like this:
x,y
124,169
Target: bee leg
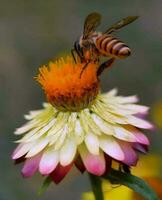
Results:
x,y
85,66
120,167
73,55
126,169
105,65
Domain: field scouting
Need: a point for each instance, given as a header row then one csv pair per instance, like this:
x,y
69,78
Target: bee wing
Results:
x,y
120,24
91,22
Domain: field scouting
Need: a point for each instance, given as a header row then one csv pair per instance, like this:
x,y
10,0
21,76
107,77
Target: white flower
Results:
x,y
54,140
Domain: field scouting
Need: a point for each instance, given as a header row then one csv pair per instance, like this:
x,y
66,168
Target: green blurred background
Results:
x,y
32,33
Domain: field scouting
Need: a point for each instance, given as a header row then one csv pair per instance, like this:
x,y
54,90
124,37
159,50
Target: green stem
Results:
x,y
96,184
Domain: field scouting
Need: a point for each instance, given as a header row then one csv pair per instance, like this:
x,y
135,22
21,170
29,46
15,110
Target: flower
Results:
x,y
148,168
79,125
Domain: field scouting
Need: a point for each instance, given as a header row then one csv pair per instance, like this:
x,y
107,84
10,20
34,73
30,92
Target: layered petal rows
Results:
x,y
54,140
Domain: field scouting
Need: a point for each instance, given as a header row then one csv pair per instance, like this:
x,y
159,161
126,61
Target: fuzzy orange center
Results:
x,y
66,87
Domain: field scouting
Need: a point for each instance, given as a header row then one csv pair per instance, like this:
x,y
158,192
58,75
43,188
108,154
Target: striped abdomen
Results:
x,y
107,45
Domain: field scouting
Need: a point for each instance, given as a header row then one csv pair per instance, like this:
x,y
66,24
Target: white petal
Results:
x,y
48,161
111,147
136,108
67,152
102,114
125,100
103,125
38,146
27,136
78,128
21,150
106,115
83,122
92,143
124,109
112,92
26,127
32,114
78,132
43,130
123,134
53,139
90,124
71,121
140,123
62,119
47,105
62,135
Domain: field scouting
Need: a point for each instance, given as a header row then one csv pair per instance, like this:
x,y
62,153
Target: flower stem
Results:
x,y
96,184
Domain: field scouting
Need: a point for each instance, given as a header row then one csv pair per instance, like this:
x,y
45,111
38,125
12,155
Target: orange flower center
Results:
x,y
66,87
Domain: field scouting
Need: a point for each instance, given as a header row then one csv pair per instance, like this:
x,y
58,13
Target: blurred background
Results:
x,y
34,32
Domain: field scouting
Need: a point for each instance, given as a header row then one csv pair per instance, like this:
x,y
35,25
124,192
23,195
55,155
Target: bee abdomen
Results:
x,y
110,46
121,50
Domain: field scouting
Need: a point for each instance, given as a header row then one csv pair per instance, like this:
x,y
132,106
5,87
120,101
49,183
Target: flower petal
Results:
x,y
61,120
140,137
27,137
37,147
125,100
94,164
60,172
130,156
61,138
67,152
123,134
79,164
140,147
103,125
140,123
92,143
106,129
26,127
101,110
21,150
31,166
112,92
111,147
78,132
137,108
49,161
32,114
91,125
42,131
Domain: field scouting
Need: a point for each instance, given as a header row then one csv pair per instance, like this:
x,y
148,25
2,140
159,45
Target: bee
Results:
x,y
92,45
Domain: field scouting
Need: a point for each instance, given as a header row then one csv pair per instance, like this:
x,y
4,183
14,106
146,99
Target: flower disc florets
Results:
x,y
66,87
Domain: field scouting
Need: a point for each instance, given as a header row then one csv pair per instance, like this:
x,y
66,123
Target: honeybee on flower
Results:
x,y
79,125
92,45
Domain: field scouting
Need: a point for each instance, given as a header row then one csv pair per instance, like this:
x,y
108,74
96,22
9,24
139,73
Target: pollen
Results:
x,y
66,87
